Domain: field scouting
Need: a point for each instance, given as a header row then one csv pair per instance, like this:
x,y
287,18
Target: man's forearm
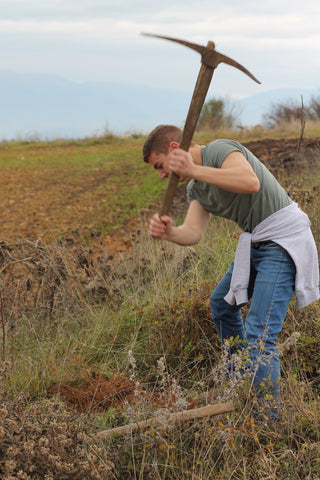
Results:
x,y
184,235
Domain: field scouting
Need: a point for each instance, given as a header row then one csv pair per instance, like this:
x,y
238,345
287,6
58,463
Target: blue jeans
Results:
x,y
271,288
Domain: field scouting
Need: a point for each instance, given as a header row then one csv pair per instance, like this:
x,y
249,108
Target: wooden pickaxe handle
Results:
x,y
210,59
197,101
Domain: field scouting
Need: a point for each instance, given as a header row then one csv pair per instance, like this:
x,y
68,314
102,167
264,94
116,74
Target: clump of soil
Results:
x,y
96,393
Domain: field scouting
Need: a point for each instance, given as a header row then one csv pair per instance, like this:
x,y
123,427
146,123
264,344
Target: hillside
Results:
x,y
102,327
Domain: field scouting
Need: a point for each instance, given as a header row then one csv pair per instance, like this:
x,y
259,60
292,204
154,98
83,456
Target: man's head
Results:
x,y
158,141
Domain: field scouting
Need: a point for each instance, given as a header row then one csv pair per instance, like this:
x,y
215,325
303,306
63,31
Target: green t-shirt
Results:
x,y
246,209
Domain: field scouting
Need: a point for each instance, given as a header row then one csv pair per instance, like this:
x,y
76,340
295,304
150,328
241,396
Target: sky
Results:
x,y
100,40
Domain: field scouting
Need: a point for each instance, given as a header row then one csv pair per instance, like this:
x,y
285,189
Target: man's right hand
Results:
x,y
160,227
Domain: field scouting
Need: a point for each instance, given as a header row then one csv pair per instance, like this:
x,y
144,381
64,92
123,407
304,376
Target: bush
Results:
x,y
289,110
216,114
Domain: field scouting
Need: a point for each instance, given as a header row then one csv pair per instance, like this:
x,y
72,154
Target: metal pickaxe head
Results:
x,y
210,59
209,56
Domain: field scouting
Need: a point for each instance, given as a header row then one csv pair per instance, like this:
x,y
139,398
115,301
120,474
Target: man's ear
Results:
x,y
173,145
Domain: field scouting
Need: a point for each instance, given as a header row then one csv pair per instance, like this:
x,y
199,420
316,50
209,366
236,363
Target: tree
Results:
x,y
285,112
216,114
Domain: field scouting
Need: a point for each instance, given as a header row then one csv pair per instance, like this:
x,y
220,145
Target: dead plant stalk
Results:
x,y
3,326
303,124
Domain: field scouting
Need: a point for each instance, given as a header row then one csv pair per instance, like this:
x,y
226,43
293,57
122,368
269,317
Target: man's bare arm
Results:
x,y
187,234
235,175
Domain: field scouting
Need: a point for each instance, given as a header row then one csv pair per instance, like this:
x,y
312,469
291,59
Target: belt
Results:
x,y
260,244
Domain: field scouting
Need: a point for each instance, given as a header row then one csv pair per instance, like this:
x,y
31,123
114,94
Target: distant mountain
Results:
x,y
49,106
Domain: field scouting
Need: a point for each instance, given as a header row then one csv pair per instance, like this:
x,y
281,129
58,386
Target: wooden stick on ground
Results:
x,y
177,417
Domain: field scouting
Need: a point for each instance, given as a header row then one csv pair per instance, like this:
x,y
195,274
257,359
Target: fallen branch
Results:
x,y
172,418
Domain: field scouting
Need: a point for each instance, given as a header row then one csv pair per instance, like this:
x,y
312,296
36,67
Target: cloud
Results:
x,y
85,40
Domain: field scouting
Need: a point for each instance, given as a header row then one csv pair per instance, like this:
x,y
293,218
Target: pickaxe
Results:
x,y
210,59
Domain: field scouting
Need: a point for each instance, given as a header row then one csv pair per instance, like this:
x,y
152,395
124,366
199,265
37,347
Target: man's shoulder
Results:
x,y
215,152
220,142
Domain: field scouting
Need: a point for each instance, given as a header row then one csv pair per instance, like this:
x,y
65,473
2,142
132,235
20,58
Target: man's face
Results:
x,y
160,162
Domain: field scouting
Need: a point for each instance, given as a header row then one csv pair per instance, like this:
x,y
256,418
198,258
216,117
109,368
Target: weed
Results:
x,y
43,440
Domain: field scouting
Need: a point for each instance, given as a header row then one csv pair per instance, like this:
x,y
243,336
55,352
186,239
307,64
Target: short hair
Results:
x,y
159,140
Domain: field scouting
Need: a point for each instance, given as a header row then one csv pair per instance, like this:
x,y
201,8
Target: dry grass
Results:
x,y
42,440
258,132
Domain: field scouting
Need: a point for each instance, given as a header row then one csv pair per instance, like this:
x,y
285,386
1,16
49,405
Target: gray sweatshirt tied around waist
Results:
x,y
289,228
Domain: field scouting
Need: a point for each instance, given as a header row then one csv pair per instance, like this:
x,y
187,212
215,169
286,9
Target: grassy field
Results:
x,y
53,189
89,344
60,187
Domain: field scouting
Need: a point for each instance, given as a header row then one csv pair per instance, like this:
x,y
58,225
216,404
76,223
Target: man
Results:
x,y
276,255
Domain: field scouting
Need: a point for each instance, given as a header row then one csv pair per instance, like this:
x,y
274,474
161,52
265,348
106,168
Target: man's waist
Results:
x,y
258,245
266,243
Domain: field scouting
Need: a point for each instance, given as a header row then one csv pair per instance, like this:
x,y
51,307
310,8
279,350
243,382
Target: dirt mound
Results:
x,y
279,155
96,393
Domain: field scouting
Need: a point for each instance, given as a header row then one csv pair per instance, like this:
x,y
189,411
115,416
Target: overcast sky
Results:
x,y
99,40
